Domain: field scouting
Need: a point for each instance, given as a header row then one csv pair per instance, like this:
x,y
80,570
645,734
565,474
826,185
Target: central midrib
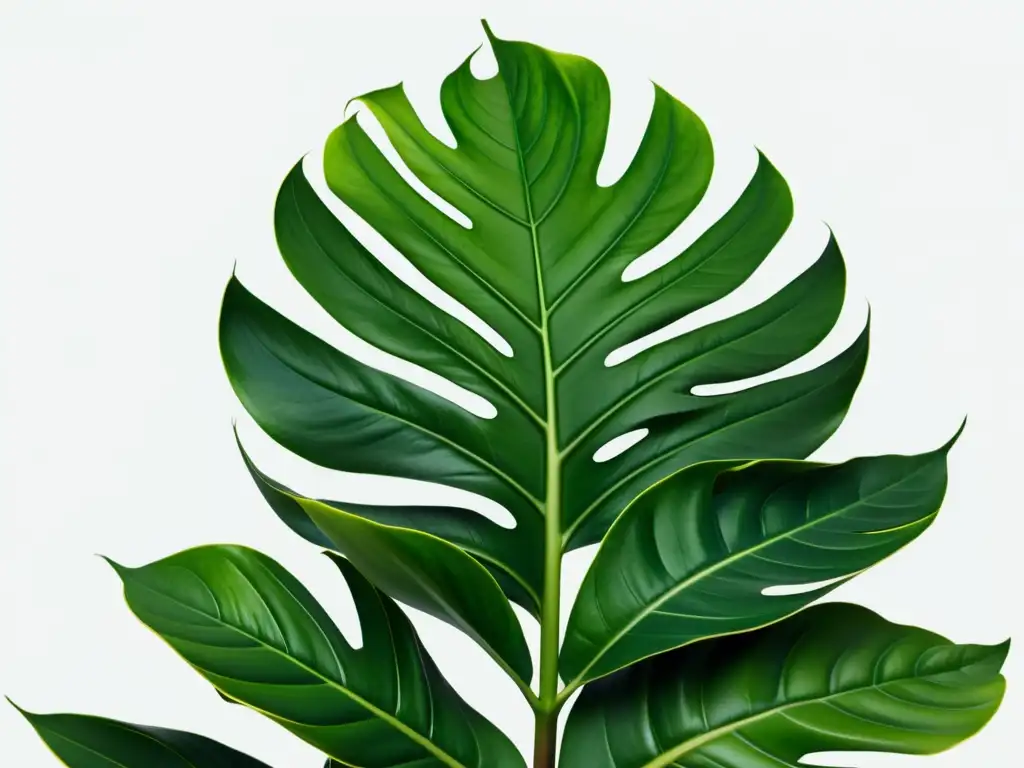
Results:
x,y
549,642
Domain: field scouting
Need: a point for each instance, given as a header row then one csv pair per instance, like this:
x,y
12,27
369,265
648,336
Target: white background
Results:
x,y
140,152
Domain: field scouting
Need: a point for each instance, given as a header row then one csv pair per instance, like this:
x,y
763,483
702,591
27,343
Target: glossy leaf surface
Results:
x,y
692,557
84,741
250,628
541,265
422,570
833,678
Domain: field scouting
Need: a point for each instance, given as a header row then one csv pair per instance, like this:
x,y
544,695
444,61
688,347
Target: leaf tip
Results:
x,y
24,713
487,30
956,436
119,569
991,659
1004,647
341,562
354,99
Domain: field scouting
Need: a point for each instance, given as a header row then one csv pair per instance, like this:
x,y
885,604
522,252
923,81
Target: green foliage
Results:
x,y
684,653
835,677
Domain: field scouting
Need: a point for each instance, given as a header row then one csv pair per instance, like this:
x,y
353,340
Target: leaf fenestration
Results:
x,y
541,264
420,569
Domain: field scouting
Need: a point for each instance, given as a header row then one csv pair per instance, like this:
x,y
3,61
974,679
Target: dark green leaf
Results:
x,y
415,433
250,628
84,741
832,678
419,569
691,557
542,265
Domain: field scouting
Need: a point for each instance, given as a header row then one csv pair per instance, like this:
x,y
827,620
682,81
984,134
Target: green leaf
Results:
x,y
833,678
542,266
250,628
84,741
419,569
691,557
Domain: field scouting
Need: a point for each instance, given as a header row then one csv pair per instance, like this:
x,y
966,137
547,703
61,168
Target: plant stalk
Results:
x,y
544,736
549,703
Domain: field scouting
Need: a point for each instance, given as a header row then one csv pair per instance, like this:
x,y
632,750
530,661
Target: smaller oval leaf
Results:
x,y
250,628
833,678
86,741
699,554
418,569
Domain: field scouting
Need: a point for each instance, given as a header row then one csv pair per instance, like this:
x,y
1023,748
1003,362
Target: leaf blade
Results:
x,y
87,741
693,556
418,569
251,629
542,264
505,553
800,686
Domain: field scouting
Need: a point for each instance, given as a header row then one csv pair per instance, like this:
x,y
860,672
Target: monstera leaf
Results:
x,y
692,557
83,741
687,637
833,678
542,264
250,628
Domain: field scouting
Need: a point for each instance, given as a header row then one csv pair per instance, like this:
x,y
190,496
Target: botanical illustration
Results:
x,y
683,650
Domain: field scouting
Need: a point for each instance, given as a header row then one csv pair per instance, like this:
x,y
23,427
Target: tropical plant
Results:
x,y
687,651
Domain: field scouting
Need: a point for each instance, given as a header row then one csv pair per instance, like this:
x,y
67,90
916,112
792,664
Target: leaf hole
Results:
x,y
735,164
318,482
848,327
425,98
619,445
788,590
632,105
369,123
300,308
483,64
391,258
799,247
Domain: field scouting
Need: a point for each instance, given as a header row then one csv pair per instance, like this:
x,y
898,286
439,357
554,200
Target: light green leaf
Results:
x,y
692,557
250,628
419,569
542,265
84,741
833,678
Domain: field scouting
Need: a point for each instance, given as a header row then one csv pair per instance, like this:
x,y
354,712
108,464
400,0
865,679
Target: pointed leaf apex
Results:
x,y
487,30
23,712
992,661
119,569
952,441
